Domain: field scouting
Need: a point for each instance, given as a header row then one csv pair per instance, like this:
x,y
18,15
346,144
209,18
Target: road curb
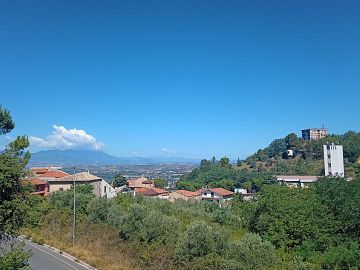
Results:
x,y
63,253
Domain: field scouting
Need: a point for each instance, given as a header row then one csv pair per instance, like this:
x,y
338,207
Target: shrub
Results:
x,y
15,258
251,252
98,209
200,240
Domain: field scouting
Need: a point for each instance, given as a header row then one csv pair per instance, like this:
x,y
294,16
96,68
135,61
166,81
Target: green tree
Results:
x,y
65,199
344,256
15,259
238,162
289,217
251,252
6,122
191,186
119,181
12,195
160,183
224,162
223,183
98,209
201,240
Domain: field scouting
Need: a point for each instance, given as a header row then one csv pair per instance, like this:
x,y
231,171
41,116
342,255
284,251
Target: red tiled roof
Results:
x,y
159,190
199,191
222,191
187,193
34,181
150,191
132,183
54,174
39,170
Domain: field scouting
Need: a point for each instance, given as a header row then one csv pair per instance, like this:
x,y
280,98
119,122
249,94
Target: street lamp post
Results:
x,y
74,218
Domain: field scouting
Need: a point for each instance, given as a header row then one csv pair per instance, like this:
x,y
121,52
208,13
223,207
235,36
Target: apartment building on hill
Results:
x,y
314,133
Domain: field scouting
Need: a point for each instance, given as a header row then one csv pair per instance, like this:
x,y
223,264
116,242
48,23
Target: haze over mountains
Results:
x,y
87,157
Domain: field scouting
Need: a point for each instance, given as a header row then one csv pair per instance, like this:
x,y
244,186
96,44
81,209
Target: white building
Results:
x,y
218,195
107,190
245,194
333,160
296,180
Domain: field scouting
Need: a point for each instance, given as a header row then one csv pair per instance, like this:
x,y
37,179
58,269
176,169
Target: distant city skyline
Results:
x,y
178,78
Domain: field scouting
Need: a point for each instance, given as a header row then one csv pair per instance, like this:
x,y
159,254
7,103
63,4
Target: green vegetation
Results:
x,y
13,196
308,155
260,168
119,181
15,259
160,182
283,228
221,174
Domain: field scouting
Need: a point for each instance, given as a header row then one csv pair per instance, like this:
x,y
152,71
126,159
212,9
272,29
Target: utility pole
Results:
x,y
74,219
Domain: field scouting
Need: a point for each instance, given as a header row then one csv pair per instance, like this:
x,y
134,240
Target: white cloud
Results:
x,y
62,138
168,151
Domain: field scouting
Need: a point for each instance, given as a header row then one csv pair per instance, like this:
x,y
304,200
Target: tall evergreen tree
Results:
x,y
12,196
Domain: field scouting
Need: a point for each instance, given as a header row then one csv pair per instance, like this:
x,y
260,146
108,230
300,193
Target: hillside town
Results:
x,y
50,180
47,180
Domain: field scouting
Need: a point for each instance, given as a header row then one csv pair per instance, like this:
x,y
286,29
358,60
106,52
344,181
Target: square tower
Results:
x,y
333,160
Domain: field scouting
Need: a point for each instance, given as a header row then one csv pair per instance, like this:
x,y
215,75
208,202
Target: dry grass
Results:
x,y
97,245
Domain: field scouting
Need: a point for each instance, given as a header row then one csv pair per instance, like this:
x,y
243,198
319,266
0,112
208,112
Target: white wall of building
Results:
x,y
333,160
107,190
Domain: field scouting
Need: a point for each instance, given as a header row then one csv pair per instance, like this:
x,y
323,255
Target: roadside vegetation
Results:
x,y
283,228
13,196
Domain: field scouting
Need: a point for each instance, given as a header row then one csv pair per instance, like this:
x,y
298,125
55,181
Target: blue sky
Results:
x,y
188,78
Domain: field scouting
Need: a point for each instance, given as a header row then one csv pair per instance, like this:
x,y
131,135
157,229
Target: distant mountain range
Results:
x,y
86,157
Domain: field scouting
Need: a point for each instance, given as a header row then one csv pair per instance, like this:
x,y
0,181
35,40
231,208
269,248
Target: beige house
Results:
x,y
141,182
219,195
101,187
184,195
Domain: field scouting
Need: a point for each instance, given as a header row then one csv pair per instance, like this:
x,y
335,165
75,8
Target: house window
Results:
x,y
212,194
104,189
205,193
328,155
61,189
329,165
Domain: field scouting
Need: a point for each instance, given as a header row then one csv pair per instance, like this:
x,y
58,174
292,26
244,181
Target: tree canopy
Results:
x,y
13,198
119,181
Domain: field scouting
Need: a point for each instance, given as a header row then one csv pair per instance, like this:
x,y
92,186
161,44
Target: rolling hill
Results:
x,y
86,157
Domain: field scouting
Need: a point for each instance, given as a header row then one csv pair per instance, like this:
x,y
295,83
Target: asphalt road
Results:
x,y
44,258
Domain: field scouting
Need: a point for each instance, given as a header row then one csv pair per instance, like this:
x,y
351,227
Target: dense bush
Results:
x,y
282,228
251,252
201,240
